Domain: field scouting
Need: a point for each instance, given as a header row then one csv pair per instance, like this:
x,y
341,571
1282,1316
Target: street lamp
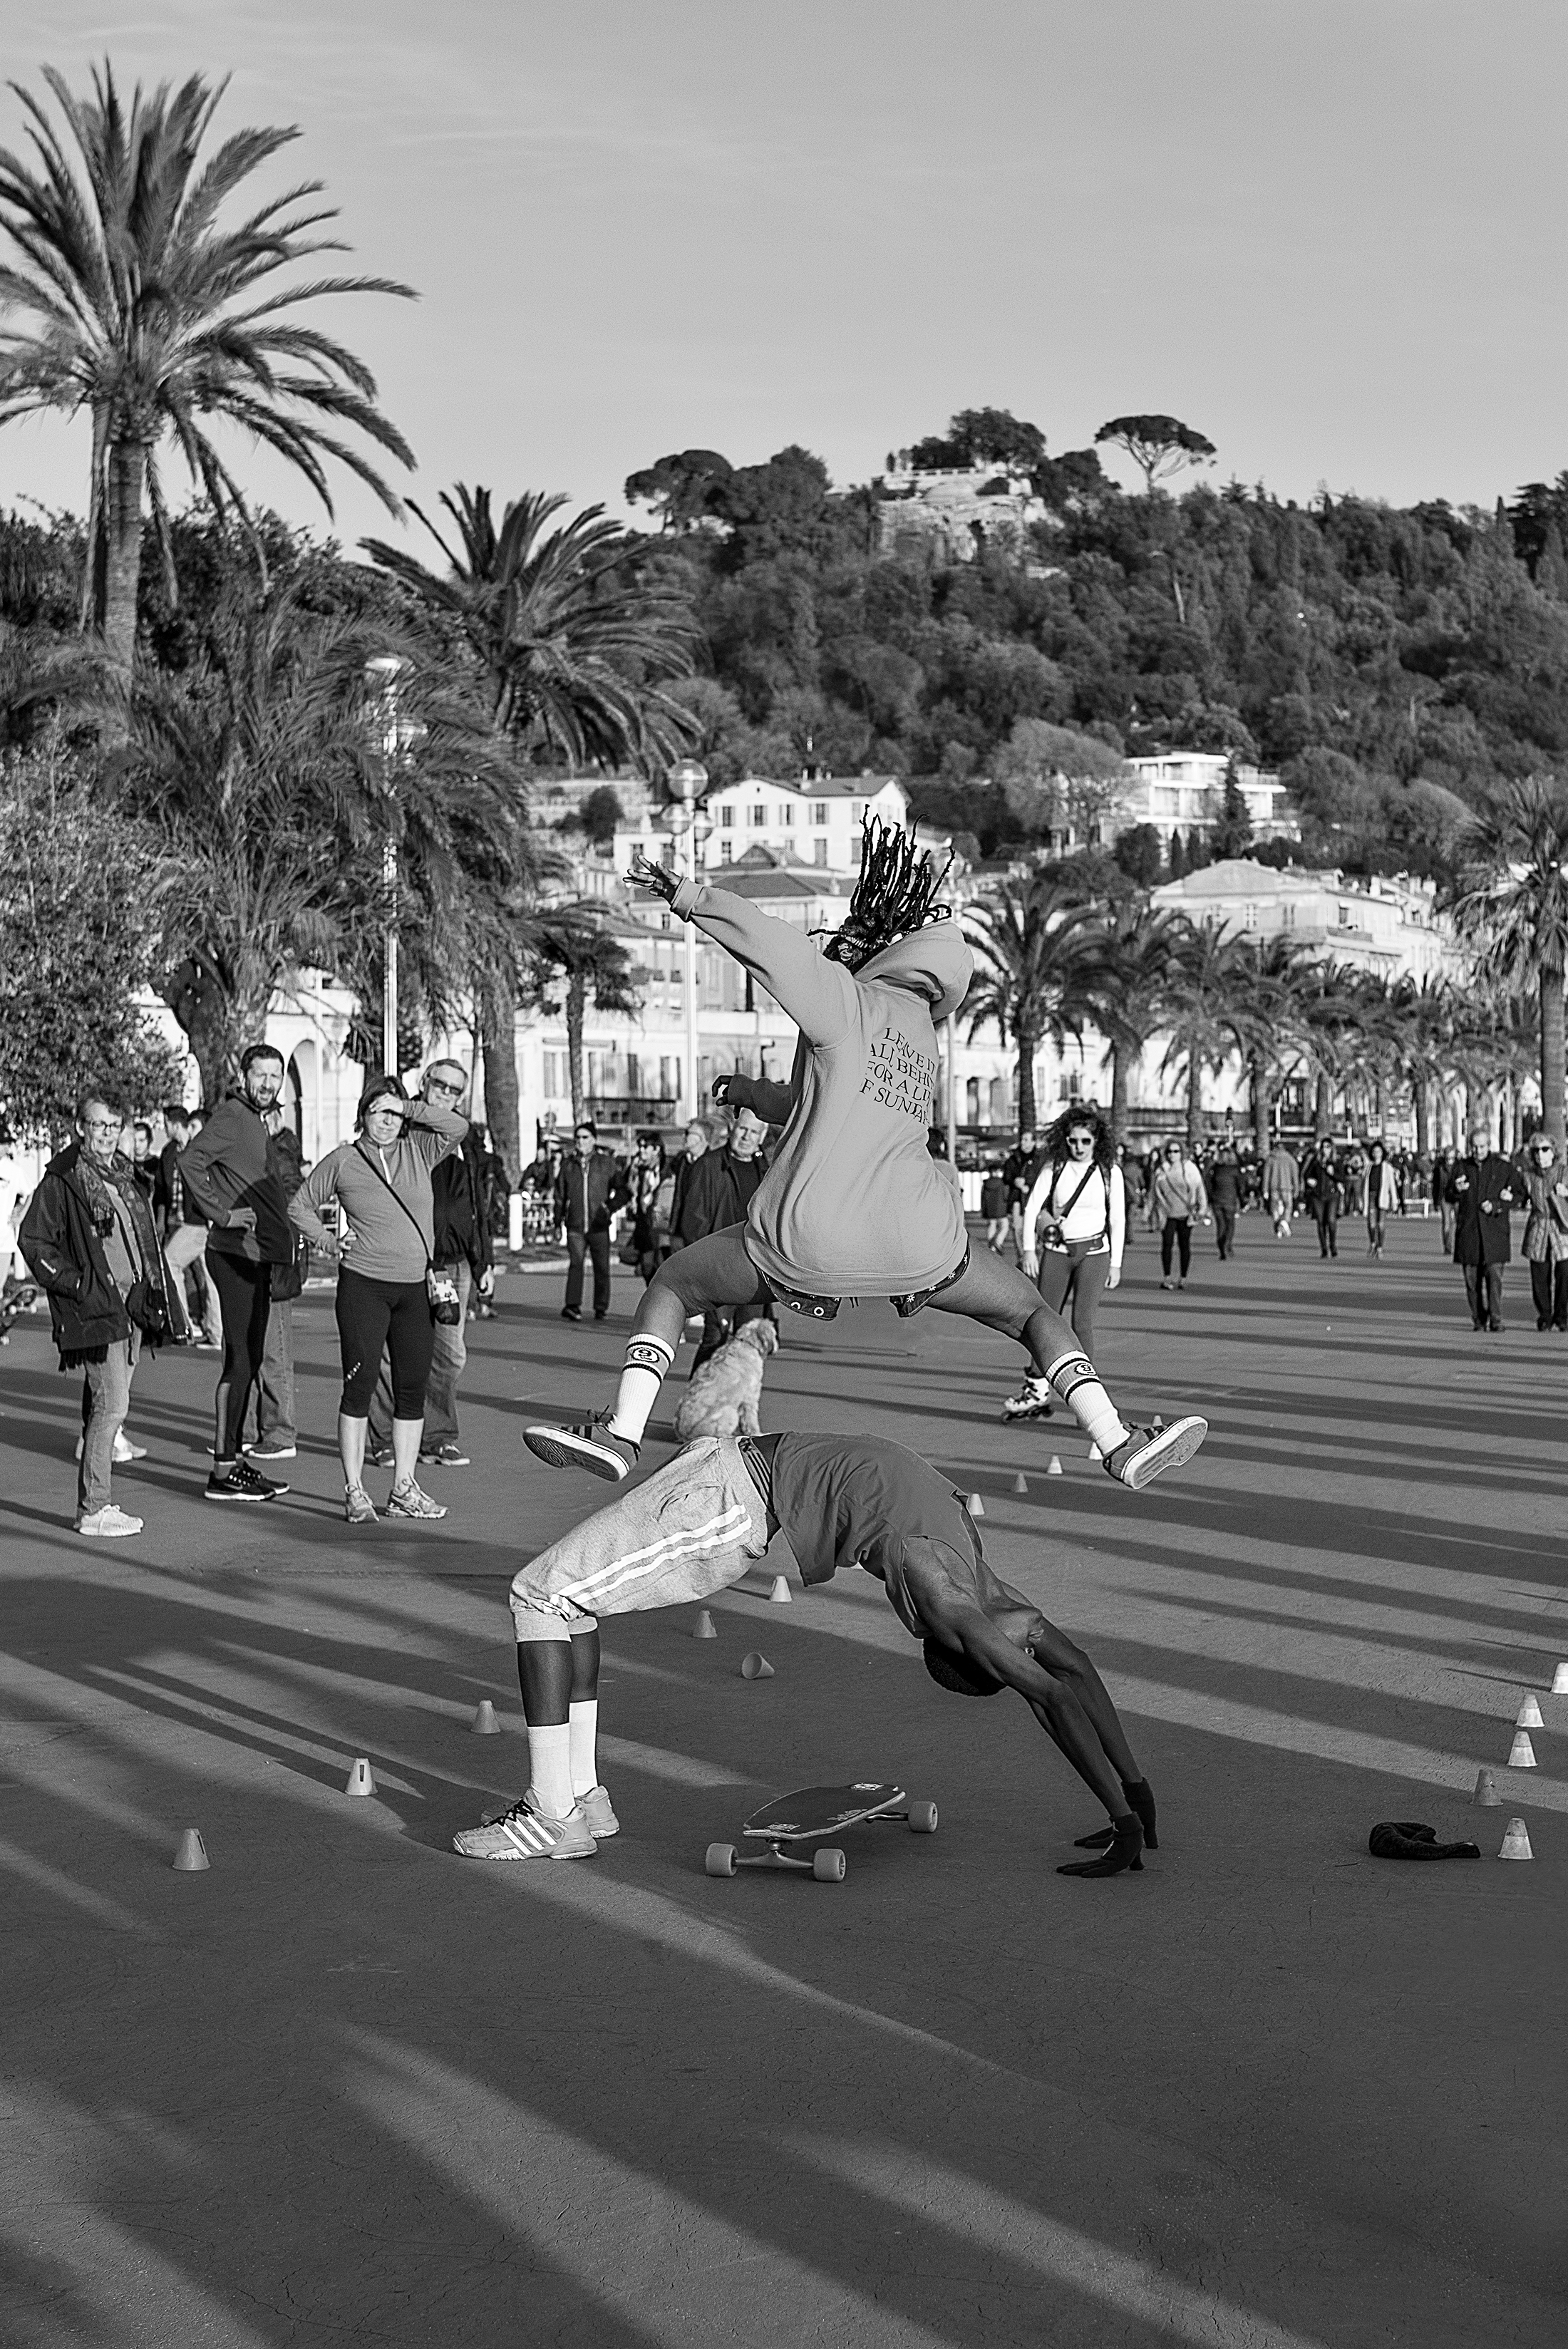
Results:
x,y
686,782
386,670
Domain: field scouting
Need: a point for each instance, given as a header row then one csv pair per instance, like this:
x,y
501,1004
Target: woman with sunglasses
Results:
x,y
1546,1231
1075,1231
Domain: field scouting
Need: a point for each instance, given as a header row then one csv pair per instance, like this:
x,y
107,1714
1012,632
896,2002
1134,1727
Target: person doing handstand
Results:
x,y
853,1205
700,1525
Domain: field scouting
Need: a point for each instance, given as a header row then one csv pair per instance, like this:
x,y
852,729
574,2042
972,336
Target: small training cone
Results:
x,y
1021,1482
1095,1452
705,1627
1521,1754
1516,1841
1560,1681
484,1724
189,1852
359,1781
1486,1792
1158,1421
779,1594
1055,1467
755,1666
1529,1715
974,1505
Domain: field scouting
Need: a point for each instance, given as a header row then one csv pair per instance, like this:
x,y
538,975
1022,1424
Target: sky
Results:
x,y
1329,234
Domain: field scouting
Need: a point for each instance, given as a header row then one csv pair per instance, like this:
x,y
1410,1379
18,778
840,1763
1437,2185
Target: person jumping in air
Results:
x,y
853,1205
700,1525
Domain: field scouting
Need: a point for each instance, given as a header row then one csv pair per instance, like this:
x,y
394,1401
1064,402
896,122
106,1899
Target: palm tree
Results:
x,y
136,305
1514,906
1213,981
571,652
1284,973
571,942
1030,936
1128,952
263,780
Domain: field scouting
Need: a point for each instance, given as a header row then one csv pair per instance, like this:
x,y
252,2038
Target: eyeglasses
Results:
x,y
103,1124
442,1085
1080,1141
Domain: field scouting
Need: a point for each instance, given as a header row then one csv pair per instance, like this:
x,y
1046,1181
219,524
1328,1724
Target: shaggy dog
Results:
x,y
721,1397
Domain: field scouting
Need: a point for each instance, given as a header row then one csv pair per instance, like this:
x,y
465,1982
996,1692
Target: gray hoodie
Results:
x,y
853,1205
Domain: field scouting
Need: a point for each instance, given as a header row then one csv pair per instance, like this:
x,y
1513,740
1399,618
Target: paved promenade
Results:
x,y
348,2089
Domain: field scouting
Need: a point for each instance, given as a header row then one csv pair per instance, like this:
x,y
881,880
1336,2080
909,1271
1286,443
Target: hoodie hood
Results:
x,y
934,962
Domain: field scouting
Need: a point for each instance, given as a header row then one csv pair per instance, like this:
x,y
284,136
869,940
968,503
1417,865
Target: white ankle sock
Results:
x,y
550,1768
583,1722
1073,1377
646,1360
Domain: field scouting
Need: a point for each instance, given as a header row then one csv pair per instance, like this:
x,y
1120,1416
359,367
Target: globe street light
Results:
x,y
686,782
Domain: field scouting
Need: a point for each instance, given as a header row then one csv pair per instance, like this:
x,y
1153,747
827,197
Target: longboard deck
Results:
x,y
819,1810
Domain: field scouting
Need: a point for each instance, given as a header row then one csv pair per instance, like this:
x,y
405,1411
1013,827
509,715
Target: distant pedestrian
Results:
x,y
1545,1243
1075,1234
462,1250
1018,1171
1225,1199
589,1188
1442,1170
184,1230
1321,1197
1180,1200
1382,1197
277,1431
1282,1188
722,1186
995,1205
1481,1189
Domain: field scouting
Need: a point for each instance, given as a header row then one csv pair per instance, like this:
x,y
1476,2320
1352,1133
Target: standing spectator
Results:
x,y
589,1187
1018,1173
184,1230
1382,1197
1481,1189
88,1240
385,1260
1353,1178
228,1170
1225,1198
462,1247
1252,1175
1282,1187
722,1186
645,1246
1320,1197
144,1165
698,1137
1177,1197
1420,1184
1442,1172
1545,1240
995,1205
278,1435
1074,1233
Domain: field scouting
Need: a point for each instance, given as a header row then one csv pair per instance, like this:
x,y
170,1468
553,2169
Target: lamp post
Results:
x,y
686,782
386,670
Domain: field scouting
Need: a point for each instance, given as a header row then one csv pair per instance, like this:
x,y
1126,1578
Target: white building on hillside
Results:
x,y
1184,790
1391,926
814,819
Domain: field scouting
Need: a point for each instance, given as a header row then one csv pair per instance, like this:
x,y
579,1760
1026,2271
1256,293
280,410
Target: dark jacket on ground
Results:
x,y
589,1190
1482,1191
65,1252
461,1226
228,1165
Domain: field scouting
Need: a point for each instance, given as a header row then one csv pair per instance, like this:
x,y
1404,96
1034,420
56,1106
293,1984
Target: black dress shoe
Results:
x,y
570,1313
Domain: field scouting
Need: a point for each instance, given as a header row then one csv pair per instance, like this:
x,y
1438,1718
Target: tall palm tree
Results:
x,y
572,651
134,303
571,944
1128,952
1030,935
1512,906
1214,981
1284,976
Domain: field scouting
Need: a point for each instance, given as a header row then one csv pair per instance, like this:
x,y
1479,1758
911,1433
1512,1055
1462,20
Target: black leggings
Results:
x,y
1178,1229
243,1294
374,1316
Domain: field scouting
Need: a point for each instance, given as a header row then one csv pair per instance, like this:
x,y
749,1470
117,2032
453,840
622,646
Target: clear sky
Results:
x,y
1330,235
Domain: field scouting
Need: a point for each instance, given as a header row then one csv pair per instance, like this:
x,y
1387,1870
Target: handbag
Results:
x,y
441,1286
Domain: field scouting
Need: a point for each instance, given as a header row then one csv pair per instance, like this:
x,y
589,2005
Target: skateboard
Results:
x,y
813,1812
15,1301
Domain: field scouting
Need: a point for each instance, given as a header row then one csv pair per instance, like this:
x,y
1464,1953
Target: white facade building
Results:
x,y
1184,790
1389,925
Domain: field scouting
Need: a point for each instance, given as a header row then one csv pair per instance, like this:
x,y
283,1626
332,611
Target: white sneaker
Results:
x,y
124,1450
108,1524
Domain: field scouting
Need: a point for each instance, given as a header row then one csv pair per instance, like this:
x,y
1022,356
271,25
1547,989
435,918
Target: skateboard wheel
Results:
x,y
720,1859
829,1866
922,1818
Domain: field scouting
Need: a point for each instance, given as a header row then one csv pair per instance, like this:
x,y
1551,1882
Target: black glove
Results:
x,y
722,1089
657,877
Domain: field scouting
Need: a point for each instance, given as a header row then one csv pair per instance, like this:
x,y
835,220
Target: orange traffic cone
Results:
x,y
1529,1715
359,1781
974,1505
1021,1482
1486,1792
1055,1467
705,1627
484,1724
1516,1841
189,1852
755,1666
1521,1754
779,1594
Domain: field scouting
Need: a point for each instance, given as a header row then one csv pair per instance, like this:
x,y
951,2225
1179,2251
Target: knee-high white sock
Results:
x,y
583,1720
1073,1377
646,1360
550,1768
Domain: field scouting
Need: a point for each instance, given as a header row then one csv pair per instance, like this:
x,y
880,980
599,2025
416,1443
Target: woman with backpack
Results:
x,y
1075,1232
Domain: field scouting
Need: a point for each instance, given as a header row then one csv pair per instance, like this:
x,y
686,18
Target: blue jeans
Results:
x,y
105,1399
274,1381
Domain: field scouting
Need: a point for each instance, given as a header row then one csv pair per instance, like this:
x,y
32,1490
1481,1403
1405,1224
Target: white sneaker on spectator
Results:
x,y
108,1523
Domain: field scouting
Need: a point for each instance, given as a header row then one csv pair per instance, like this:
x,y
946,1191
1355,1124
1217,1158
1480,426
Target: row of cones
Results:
x,y
1520,1756
754,1666
190,1851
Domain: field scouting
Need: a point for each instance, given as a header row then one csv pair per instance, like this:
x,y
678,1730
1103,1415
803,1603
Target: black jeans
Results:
x,y
594,1244
1483,1294
1327,1222
1549,1286
1178,1230
1225,1230
245,1292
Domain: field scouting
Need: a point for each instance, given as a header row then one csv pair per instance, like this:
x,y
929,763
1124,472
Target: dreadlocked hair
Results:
x,y
894,894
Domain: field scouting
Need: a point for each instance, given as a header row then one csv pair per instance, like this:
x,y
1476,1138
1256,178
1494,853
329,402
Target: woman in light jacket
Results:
x,y
381,1181
1176,1196
1382,1196
1073,1232
1546,1231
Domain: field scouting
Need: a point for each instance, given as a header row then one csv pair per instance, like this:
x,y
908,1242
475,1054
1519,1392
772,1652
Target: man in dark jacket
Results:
x,y
721,1187
228,1170
183,1231
1225,1197
589,1187
88,1240
1481,1189
1320,1190
463,1248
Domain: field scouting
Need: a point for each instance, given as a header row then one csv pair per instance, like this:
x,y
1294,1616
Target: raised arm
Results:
x,y
762,1095
434,1132
818,995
